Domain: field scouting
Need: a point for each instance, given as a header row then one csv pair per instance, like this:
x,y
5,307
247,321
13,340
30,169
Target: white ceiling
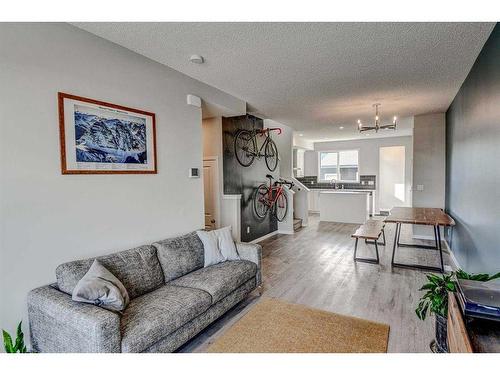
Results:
x,y
316,77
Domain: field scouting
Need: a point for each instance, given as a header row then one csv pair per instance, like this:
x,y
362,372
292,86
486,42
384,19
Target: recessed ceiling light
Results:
x,y
197,59
301,135
341,127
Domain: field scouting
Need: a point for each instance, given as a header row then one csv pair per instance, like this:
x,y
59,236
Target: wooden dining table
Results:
x,y
435,217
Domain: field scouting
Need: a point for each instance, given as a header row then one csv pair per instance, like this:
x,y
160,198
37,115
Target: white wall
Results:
x,y
429,164
284,142
47,218
302,143
368,158
310,163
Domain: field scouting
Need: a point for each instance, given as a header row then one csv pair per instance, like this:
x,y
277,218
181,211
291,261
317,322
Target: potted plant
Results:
x,y
14,347
435,301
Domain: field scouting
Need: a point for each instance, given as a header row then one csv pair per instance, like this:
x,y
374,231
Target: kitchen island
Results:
x,y
344,206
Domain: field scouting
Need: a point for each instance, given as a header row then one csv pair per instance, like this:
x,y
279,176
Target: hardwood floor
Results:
x,y
315,267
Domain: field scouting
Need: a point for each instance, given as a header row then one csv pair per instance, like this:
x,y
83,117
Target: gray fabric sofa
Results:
x,y
173,298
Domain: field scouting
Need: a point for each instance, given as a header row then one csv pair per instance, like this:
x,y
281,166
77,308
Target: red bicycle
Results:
x,y
272,198
246,148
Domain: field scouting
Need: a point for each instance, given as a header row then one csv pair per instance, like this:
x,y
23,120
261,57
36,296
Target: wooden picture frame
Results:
x,y
98,137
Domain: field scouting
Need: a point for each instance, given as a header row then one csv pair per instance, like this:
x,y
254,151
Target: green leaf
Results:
x,y
450,285
432,278
7,342
427,286
495,276
461,274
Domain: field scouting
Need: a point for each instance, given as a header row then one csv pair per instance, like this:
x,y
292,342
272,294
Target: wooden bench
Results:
x,y
370,231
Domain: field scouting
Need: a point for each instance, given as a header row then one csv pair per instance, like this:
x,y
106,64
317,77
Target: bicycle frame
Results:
x,y
262,132
271,201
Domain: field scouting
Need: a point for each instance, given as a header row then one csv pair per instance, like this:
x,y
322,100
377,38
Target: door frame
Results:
x,y
217,213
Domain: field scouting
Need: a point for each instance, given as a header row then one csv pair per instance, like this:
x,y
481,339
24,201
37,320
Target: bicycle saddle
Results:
x,y
269,176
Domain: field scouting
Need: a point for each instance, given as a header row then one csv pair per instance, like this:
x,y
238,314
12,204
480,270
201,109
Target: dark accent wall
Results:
x,y
473,163
244,180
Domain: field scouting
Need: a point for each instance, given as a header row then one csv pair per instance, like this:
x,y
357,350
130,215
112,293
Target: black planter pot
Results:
x,y
441,334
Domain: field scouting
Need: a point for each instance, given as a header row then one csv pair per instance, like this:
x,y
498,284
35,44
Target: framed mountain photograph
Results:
x,y
98,137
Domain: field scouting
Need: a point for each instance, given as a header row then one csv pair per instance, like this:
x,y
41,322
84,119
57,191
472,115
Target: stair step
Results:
x,y
297,224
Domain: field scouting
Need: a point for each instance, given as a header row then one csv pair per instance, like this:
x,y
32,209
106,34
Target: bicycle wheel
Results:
x,y
244,148
271,155
281,207
260,201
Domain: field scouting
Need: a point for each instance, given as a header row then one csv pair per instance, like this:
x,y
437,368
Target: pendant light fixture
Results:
x,y
377,126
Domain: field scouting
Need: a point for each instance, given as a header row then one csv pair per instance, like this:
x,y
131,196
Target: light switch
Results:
x,y
194,173
420,187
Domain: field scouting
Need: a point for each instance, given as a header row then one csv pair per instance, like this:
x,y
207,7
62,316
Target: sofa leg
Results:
x,y
260,290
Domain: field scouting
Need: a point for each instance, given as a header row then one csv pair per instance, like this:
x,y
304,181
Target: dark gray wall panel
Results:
x,y
473,163
244,180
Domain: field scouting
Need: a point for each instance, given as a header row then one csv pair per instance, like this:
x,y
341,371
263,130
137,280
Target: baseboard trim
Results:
x,y
264,237
286,232
423,237
455,265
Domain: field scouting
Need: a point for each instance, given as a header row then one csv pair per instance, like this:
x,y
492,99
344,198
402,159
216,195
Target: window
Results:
x,y
339,166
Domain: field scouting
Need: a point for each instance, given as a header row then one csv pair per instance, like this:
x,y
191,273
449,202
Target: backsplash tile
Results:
x,y
364,183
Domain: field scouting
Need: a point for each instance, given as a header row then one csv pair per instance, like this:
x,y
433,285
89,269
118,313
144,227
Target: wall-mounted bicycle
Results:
x,y
246,148
272,199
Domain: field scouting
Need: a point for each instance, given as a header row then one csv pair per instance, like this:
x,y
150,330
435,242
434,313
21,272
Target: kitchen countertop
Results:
x,y
332,189
341,191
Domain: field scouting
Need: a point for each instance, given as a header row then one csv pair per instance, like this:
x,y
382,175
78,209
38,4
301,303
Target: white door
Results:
x,y
392,187
211,190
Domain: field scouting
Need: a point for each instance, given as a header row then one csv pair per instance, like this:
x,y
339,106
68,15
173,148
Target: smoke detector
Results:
x,y
197,59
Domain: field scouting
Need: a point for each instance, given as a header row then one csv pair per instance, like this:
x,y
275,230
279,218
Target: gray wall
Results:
x,y
472,155
429,165
47,218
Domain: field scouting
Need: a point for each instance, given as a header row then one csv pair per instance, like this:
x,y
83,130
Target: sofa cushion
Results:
x,y
138,269
153,316
219,279
180,255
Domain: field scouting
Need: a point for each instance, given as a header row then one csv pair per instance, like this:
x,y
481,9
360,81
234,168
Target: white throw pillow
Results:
x,y
226,243
211,251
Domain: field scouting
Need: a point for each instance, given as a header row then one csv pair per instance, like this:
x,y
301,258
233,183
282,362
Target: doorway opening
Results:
x,y
392,177
211,192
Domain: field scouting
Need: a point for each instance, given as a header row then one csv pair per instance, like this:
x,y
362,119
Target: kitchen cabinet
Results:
x,y
314,205
313,197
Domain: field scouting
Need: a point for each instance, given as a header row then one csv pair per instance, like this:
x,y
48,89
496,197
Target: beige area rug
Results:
x,y
275,326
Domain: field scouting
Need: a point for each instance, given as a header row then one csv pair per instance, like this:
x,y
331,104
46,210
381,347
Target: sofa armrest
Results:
x,y
59,324
253,253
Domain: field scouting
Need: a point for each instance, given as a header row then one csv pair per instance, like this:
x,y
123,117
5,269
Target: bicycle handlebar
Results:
x,y
286,182
267,130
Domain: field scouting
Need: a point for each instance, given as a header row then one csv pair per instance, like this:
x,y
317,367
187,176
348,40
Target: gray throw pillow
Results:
x,y
100,287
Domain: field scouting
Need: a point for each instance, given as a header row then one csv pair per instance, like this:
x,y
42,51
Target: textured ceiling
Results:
x,y
316,77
